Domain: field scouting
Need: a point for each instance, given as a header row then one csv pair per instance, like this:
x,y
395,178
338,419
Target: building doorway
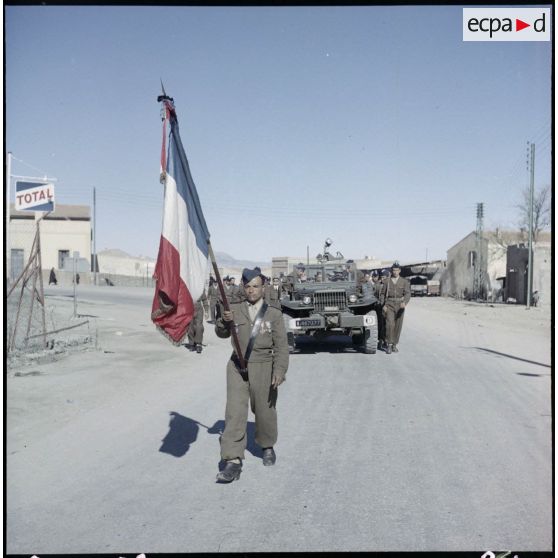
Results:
x,y
63,255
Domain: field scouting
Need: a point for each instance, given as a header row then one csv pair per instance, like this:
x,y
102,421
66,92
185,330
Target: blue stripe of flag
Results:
x,y
178,168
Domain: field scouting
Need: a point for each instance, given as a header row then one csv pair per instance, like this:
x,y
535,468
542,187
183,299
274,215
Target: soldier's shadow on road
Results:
x,y
183,432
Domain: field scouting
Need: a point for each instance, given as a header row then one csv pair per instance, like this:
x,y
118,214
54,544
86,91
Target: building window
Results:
x,y
62,256
472,259
17,263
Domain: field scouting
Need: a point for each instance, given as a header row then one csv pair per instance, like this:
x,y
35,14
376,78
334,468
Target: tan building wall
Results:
x,y
67,228
73,236
457,279
125,265
542,272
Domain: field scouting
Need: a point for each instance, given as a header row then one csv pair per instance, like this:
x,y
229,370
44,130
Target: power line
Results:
x,y
28,165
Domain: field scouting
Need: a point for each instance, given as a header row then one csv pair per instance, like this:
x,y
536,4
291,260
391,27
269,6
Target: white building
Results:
x,y
62,233
458,277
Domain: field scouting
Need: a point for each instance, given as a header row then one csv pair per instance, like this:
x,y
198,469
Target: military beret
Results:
x,y
300,266
249,274
374,273
385,272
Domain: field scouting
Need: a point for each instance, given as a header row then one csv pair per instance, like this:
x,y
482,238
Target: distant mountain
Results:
x,y
115,252
226,260
223,259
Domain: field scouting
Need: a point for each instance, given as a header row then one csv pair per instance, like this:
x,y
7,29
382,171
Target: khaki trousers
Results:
x,y
262,397
394,321
381,323
213,310
195,331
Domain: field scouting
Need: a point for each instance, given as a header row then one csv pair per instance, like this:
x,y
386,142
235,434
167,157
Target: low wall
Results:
x,y
103,279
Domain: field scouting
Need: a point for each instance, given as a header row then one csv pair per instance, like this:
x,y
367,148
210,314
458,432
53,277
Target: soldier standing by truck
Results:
x,y
395,296
378,285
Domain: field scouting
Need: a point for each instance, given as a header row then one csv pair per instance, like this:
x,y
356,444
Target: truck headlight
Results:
x,y
306,300
353,298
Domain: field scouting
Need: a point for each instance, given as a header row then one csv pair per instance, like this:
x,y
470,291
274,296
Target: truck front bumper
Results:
x,y
343,320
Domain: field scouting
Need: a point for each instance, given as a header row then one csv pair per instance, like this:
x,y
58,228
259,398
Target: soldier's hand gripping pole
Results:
x,y
226,306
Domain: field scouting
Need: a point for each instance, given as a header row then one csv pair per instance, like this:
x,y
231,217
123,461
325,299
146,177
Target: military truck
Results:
x,y
419,285
331,301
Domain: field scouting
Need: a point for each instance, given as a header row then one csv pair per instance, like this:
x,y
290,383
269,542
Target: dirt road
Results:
x,y
444,446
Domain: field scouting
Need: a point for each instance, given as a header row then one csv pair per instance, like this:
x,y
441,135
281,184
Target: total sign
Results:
x,y
34,196
506,24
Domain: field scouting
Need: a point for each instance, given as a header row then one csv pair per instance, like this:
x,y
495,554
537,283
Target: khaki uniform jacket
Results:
x,y
395,293
270,344
202,303
272,296
213,293
234,293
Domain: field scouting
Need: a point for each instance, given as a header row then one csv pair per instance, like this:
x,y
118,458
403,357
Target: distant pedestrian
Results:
x,y
52,277
535,298
77,278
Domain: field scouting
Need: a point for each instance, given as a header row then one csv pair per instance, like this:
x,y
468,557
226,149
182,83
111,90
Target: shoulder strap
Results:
x,y
255,330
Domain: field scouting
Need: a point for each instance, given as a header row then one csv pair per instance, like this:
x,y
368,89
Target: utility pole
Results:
x,y
531,198
8,217
94,233
478,269
74,271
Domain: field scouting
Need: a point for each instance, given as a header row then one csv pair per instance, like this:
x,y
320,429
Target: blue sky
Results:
x,y
375,126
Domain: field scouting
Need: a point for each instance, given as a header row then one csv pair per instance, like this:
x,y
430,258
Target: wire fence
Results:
x,y
37,333
36,329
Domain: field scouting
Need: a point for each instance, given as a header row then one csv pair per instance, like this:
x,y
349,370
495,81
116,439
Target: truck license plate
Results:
x,y
308,323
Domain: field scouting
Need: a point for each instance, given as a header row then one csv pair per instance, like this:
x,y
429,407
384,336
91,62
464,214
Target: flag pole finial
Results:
x,y
164,96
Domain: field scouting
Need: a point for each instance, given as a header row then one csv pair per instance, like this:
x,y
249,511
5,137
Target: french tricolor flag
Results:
x,y
182,262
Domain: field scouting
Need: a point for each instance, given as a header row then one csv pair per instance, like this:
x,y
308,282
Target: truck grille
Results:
x,y
324,300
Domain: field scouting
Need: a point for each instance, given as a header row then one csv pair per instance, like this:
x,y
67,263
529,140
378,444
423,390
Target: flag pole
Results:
x,y
169,112
227,307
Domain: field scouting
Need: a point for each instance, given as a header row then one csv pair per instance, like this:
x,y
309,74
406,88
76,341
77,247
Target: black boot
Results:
x,y
230,473
388,349
269,457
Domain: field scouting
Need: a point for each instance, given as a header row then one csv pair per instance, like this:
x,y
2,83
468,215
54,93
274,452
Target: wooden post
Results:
x,y
227,307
